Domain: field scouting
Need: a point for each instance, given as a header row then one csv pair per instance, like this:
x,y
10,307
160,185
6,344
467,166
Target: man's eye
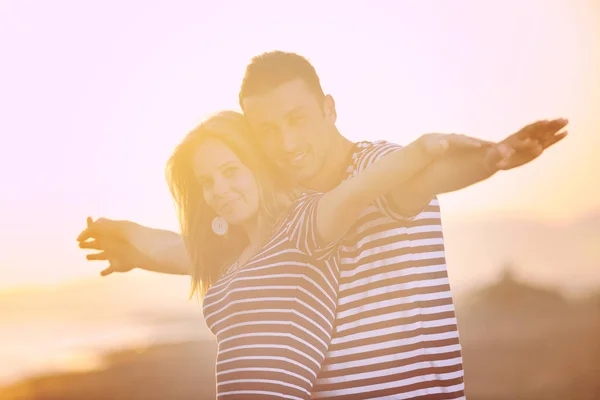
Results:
x,y
296,120
267,133
229,172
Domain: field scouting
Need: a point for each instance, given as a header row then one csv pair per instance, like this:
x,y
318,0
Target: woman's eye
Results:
x,y
205,183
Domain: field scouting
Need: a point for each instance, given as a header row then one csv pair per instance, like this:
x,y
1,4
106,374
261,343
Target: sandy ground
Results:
x,y
551,351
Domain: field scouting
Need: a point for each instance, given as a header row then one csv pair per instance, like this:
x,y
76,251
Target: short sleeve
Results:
x,y
302,228
385,204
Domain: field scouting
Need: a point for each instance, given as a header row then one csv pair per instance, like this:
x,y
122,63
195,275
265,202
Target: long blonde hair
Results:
x,y
208,252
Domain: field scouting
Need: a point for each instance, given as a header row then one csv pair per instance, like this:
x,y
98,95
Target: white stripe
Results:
x,y
263,288
265,310
391,357
390,371
258,369
390,261
398,315
405,395
272,381
239,278
423,392
221,286
264,392
392,275
282,359
268,300
387,233
267,334
351,254
414,245
392,288
395,329
392,343
393,302
429,214
271,346
256,299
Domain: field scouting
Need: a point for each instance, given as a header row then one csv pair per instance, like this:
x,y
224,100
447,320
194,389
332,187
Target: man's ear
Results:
x,y
329,108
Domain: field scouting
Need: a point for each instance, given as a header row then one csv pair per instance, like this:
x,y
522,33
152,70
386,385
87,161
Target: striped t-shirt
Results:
x,y
273,317
396,334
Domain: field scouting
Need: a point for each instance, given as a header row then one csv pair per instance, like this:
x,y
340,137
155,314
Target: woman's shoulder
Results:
x,y
307,194
304,198
300,206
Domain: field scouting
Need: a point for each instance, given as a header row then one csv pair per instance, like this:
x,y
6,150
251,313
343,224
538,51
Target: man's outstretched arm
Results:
x,y
456,171
127,245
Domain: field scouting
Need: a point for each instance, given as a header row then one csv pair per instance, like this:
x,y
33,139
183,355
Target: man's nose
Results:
x,y
289,140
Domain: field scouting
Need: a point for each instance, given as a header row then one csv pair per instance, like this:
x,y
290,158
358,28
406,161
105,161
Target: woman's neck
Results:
x,y
256,229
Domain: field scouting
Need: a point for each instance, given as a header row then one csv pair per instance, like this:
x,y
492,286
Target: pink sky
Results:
x,y
95,97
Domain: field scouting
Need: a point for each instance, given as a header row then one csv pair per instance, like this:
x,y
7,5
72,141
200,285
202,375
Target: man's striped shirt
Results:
x,y
396,334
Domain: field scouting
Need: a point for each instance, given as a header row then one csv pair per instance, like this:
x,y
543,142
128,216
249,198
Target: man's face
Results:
x,y
293,127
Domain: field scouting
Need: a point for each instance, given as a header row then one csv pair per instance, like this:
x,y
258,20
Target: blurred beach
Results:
x,y
95,96
520,341
528,311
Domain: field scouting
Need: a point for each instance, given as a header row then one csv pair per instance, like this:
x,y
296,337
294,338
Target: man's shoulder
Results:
x,y
369,144
367,152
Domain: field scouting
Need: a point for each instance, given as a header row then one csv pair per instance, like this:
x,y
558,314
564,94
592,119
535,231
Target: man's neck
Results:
x,y
335,165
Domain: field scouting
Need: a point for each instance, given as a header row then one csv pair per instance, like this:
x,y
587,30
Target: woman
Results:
x,y
263,259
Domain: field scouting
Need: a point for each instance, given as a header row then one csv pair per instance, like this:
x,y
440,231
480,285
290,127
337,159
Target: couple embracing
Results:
x,y
319,261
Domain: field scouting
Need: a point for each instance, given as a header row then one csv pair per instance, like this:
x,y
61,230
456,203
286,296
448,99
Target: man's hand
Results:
x,y
527,144
462,161
518,149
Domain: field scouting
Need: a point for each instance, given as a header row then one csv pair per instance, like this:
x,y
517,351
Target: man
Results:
x,y
396,334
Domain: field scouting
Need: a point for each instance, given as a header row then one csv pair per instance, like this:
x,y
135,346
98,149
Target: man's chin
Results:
x,y
305,176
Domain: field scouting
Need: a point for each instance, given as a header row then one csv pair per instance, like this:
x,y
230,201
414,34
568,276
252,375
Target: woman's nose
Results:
x,y
221,186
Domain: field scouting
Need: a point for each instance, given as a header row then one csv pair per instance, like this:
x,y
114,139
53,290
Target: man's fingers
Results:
x,y
554,139
532,130
542,128
107,271
549,128
557,124
102,256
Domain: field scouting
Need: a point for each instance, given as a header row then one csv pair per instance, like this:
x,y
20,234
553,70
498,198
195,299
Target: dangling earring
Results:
x,y
220,226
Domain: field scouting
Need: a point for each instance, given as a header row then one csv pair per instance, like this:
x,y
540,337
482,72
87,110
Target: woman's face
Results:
x,y
229,187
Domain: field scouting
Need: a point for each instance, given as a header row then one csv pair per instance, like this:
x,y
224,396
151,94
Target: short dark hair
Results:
x,y
269,70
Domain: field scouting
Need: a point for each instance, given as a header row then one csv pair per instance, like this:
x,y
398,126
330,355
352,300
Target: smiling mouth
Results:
x,y
297,158
227,206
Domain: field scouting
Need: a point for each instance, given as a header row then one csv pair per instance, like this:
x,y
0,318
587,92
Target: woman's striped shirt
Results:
x,y
273,317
